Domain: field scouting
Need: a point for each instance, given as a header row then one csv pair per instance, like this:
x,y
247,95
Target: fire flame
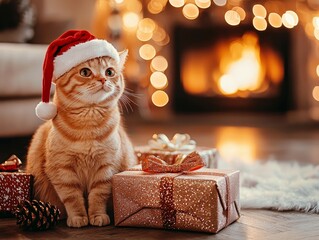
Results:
x,y
243,74
236,67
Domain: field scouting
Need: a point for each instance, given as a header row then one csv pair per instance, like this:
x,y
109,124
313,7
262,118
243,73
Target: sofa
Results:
x,y
20,87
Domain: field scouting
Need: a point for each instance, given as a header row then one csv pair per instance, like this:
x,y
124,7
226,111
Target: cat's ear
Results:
x,y
123,56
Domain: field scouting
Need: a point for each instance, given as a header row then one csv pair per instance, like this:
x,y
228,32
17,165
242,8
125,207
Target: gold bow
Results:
x,y
178,142
154,164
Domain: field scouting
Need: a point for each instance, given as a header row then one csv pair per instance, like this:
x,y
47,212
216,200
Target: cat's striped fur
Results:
x,y
74,156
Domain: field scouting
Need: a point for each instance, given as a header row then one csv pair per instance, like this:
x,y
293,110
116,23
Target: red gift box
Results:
x,y
14,187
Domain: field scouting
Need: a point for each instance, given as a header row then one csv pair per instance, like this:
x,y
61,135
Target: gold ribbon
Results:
x,y
168,210
188,164
178,142
154,164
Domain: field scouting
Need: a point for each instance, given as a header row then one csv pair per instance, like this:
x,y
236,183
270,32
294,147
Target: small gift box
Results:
x,y
183,197
178,147
15,186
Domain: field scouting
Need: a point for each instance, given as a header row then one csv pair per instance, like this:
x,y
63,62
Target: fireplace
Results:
x,y
231,69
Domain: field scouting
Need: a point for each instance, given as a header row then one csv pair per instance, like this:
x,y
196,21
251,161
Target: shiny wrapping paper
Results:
x,y
205,200
209,155
14,187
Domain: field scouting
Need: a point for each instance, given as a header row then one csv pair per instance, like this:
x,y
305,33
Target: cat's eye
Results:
x,y
85,72
110,72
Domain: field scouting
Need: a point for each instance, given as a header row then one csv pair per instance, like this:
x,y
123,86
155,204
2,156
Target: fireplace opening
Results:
x,y
231,69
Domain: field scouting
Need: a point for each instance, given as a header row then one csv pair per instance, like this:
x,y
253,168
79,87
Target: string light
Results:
x,y
147,51
232,17
220,3
241,12
177,3
274,20
259,11
155,6
158,80
190,11
288,20
159,63
315,22
160,98
133,6
203,3
130,20
259,23
315,93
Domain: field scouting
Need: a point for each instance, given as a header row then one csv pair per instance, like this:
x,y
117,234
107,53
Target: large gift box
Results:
x,y
205,200
171,150
15,186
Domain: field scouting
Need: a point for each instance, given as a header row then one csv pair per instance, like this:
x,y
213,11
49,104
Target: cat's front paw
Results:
x,y
77,221
99,220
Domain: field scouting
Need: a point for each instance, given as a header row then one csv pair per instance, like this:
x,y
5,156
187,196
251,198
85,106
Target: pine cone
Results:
x,y
36,215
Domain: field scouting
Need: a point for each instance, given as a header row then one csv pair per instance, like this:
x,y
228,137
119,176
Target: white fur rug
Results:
x,y
277,185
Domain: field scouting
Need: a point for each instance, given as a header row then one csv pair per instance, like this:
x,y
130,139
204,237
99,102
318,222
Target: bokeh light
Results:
x,y
158,80
159,34
259,11
146,25
288,20
147,51
160,98
315,22
130,20
155,6
241,12
232,17
133,6
203,3
190,11
143,36
177,3
260,23
220,2
315,93
159,63
274,20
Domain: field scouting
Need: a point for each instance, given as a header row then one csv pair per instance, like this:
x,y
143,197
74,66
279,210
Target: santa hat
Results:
x,y
67,51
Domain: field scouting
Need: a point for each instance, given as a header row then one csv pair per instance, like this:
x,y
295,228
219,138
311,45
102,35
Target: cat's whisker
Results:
x,y
129,99
130,92
127,102
120,106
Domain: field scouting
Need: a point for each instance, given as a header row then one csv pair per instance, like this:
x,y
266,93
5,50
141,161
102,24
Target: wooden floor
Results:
x,y
253,224
250,141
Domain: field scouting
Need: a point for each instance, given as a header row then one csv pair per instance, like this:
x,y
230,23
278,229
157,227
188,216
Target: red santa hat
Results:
x,y
67,51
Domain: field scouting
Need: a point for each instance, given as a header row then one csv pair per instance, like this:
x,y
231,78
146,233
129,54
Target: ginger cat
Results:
x,y
74,156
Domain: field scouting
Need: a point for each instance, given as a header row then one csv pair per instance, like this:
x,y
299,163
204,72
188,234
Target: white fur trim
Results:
x,y
46,111
81,53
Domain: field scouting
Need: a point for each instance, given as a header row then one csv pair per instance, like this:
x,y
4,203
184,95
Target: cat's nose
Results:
x,y
102,80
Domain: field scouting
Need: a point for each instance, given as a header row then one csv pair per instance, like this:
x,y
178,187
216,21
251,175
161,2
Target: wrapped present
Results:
x,y
195,199
15,186
171,151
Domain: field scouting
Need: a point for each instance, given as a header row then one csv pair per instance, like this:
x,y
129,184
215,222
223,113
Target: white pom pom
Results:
x,y
46,111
